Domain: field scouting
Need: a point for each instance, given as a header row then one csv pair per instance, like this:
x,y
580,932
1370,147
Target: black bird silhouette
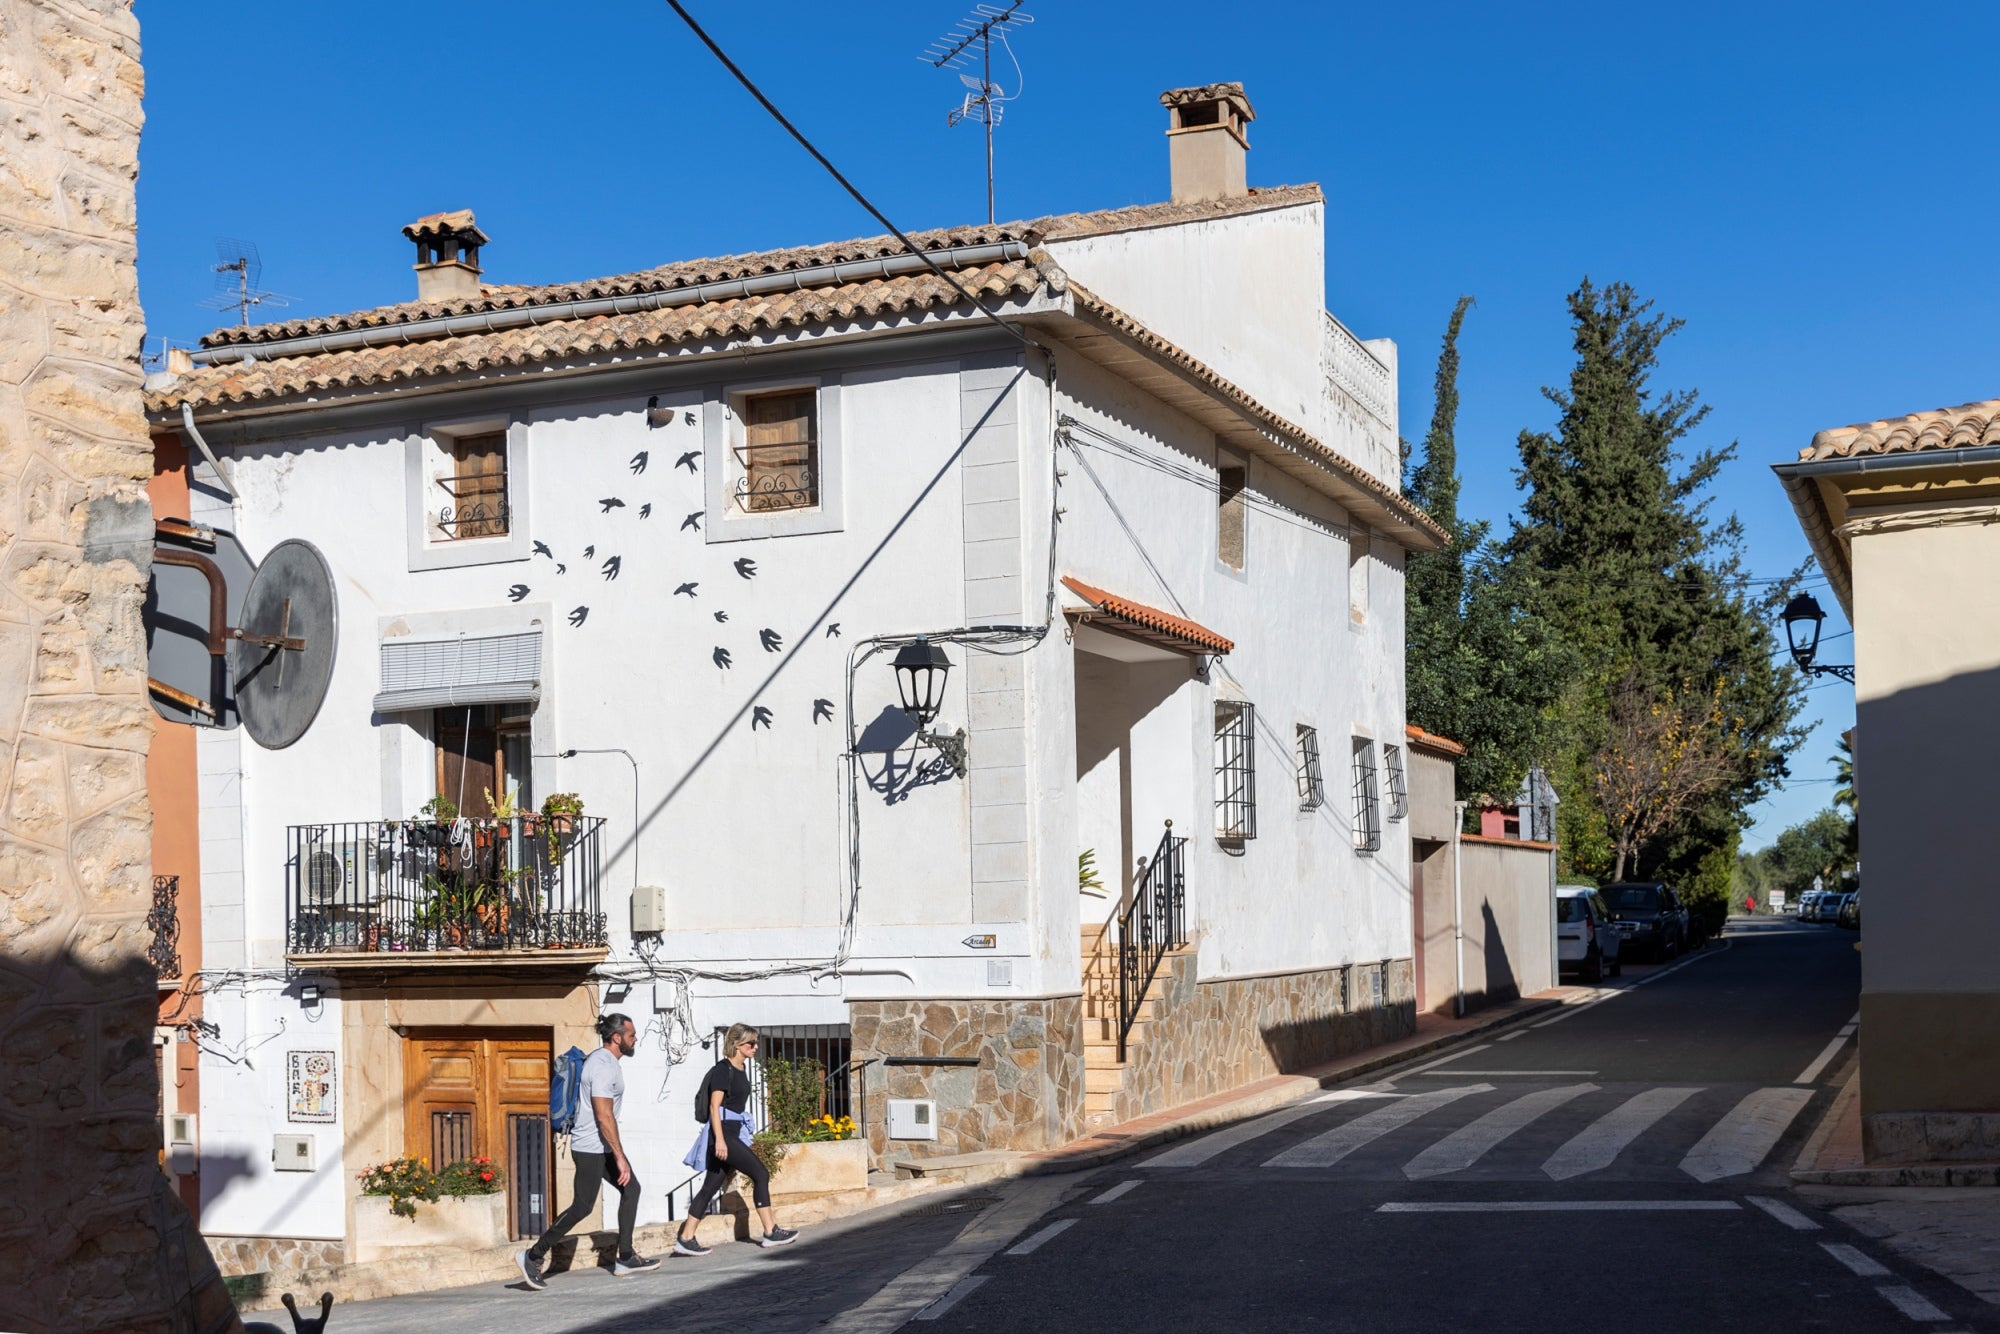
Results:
x,y
517,592
720,657
721,616
561,568
612,566
771,640
692,521
746,567
822,711
638,463
687,460
656,418
590,552
688,588
646,510
611,503
579,615
542,549
833,630
760,717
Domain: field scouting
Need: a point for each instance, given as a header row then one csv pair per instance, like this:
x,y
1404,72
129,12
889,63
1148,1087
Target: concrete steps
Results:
x,y
1103,1071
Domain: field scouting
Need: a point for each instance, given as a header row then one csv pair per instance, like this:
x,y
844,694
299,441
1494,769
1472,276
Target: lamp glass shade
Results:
x,y
1802,617
921,669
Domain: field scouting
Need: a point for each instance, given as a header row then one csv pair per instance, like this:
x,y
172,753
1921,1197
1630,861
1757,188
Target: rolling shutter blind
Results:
x,y
437,673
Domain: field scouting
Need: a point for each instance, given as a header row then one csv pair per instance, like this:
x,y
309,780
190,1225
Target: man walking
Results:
x,y
599,1156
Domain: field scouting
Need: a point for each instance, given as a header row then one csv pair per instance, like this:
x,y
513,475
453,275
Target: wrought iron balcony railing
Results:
x,y
418,887
165,922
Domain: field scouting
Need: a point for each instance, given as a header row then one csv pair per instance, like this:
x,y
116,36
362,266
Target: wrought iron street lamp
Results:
x,y
921,668
1803,617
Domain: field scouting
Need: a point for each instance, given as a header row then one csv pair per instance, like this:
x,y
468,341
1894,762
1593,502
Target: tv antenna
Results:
x,y
238,269
984,101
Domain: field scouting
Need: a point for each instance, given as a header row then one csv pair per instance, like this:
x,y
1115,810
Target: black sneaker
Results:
x,y
531,1271
632,1264
780,1236
690,1246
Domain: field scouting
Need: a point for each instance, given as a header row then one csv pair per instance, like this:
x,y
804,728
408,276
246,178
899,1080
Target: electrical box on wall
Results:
x,y
649,910
292,1153
912,1118
180,1128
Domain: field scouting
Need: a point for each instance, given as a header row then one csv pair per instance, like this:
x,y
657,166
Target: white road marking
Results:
x,y
1511,1036
1867,1266
1556,1206
1740,1141
1468,1144
1824,1059
1783,1212
1599,1144
1195,1152
958,1294
1445,1060
1042,1238
1122,1188
1912,1304
1328,1148
1453,1074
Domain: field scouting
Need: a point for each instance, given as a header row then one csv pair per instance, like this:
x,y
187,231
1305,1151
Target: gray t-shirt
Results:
x,y
601,1079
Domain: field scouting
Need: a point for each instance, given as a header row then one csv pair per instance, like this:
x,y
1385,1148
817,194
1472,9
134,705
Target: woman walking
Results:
x,y
723,1146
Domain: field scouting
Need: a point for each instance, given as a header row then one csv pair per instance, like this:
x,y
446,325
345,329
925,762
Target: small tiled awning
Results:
x,y
1144,622
470,669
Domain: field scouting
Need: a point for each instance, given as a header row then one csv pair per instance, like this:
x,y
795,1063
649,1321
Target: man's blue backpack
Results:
x,y
565,1085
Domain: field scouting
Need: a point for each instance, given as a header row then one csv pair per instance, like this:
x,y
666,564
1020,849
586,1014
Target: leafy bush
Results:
x,y
794,1094
473,1176
404,1181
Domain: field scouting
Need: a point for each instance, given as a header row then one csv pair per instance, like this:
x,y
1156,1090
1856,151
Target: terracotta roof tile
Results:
x,y
458,221
1156,623
1961,427
1417,736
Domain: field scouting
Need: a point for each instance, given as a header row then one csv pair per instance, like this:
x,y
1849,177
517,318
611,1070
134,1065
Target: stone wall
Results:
x,y
278,1257
1025,1093
1207,1037
92,1235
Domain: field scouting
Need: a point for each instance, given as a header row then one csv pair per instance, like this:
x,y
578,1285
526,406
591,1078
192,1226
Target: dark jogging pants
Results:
x,y
741,1160
593,1169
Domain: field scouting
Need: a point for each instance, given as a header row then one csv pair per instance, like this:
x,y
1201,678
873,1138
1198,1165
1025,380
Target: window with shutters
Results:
x,y
467,493
1235,770
473,480
1367,798
777,454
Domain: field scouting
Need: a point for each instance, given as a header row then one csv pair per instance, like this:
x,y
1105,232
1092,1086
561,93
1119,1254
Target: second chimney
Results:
x,y
1208,136
447,256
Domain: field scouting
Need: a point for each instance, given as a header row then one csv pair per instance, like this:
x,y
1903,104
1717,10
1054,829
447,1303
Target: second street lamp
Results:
x,y
921,668
1802,617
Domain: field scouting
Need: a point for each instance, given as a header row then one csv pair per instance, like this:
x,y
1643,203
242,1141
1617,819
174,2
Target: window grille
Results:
x,y
1235,769
1399,792
780,452
1312,791
1367,799
451,1137
476,487
829,1046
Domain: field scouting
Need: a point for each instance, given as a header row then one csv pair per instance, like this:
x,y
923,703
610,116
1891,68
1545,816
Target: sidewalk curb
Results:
x,y
1813,1168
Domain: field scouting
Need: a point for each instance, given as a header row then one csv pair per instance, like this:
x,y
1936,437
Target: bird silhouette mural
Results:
x,y
542,549
638,463
771,640
611,503
692,521
688,588
578,615
612,566
517,592
833,630
687,460
646,510
720,657
561,568
822,711
721,616
746,567
760,717
590,552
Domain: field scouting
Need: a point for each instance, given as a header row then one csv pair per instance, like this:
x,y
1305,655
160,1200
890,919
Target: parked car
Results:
x,y
1850,912
1831,907
1587,940
1809,905
1649,916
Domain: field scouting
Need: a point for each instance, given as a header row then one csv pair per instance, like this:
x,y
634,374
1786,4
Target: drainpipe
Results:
x,y
1457,914
187,422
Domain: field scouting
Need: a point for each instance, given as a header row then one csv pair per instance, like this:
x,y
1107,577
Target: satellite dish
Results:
x,y
183,664
281,653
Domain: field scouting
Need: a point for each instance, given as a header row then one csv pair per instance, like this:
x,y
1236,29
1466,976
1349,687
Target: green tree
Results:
x,y
1844,798
1816,848
1482,667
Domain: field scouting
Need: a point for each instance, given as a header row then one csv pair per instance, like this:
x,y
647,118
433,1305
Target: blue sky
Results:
x,y
1806,185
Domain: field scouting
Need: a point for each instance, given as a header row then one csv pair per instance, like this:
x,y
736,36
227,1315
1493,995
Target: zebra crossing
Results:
x,y
1547,1132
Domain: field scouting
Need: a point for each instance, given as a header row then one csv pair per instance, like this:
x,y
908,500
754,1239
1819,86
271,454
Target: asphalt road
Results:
x,y
1619,1163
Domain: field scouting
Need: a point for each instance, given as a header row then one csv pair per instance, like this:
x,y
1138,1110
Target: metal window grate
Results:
x,y
830,1045
1367,798
165,923
1235,769
528,1173
1399,792
451,1137
1312,790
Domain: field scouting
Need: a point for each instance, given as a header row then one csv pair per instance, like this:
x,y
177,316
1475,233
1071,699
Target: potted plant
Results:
x,y
438,813
559,812
817,1152
463,1206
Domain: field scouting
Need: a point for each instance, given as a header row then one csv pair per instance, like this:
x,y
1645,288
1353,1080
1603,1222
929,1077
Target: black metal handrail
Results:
x,y
422,887
1152,923
165,921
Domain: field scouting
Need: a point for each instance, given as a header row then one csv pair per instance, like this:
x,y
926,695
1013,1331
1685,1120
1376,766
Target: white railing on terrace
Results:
x,y
1355,370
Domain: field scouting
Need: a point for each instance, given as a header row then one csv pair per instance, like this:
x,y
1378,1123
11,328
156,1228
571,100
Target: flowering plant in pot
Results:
x,y
559,812
404,1181
472,1176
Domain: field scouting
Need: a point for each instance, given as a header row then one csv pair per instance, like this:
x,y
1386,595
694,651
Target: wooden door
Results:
x,y
468,758
464,1094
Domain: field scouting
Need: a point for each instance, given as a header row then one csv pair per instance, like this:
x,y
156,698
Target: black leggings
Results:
x,y
741,1159
593,1169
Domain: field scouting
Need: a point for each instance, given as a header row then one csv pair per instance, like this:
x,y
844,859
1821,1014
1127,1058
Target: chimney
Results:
x,y
447,256
1208,136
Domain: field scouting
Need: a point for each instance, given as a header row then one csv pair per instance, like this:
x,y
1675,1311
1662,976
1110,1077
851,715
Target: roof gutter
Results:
x,y
1926,458
763,284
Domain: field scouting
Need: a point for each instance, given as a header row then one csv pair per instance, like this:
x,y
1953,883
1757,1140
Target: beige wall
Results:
x,y
85,1199
1508,901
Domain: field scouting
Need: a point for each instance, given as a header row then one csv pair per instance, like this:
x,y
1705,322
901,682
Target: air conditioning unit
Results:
x,y
343,873
912,1118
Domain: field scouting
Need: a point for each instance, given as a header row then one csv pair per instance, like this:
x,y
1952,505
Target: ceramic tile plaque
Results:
x,y
311,1095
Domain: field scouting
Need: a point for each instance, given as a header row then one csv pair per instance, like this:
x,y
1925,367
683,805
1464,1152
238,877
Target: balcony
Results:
x,y
164,952
413,893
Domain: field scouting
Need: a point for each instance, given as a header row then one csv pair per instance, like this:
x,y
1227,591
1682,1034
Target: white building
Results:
x,y
655,540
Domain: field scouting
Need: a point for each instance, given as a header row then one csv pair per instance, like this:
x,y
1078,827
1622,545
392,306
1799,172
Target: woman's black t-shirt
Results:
x,y
734,1084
